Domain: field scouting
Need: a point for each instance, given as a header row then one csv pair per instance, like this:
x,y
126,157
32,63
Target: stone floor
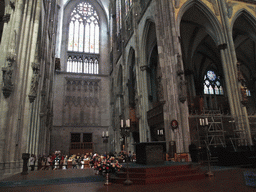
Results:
x,y
225,179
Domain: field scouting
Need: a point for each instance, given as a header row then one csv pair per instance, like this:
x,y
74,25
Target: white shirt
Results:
x,y
32,161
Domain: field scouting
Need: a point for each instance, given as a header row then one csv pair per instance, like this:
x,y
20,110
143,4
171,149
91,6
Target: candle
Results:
x,y
106,133
206,121
122,123
200,121
128,122
203,122
103,134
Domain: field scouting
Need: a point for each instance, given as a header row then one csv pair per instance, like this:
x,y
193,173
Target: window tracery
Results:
x,y
83,39
212,84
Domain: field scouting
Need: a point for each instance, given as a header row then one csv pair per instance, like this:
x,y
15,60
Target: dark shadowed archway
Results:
x,y
2,10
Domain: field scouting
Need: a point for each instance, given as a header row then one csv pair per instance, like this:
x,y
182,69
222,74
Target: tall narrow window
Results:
x,y
212,84
118,15
128,5
83,39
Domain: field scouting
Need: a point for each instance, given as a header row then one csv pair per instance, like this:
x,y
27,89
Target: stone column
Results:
x,y
229,60
141,77
11,106
173,108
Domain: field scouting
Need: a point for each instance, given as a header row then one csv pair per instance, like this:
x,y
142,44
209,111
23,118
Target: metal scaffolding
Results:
x,y
213,132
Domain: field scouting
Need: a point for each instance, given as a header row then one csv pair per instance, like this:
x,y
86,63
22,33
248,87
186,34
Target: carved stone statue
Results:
x,y
7,77
177,4
34,82
230,6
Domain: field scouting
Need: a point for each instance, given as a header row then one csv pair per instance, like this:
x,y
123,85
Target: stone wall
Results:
x,y
81,101
27,63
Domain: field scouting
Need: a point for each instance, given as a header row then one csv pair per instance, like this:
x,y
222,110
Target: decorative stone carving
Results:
x,y
81,104
12,4
35,77
177,4
8,70
7,75
215,7
252,8
243,87
43,100
183,91
6,18
230,6
182,83
34,82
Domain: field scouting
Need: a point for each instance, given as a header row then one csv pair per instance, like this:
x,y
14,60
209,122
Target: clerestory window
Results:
x,y
118,15
83,40
128,5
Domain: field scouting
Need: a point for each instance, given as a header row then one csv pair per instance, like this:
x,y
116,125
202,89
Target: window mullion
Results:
x,y
89,37
84,35
93,67
73,36
78,36
94,38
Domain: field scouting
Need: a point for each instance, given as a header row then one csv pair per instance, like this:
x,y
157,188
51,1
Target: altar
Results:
x,y
151,152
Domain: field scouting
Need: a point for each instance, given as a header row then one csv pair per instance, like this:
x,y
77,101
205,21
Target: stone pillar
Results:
x,y
174,108
229,60
141,76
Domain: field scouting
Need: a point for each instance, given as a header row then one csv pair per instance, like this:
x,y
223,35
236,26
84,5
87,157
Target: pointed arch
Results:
x,y
91,48
149,40
130,55
215,29
132,77
120,80
251,18
248,17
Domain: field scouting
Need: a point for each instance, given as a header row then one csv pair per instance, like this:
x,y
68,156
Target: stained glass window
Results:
x,y
118,15
89,66
84,29
83,38
128,5
248,92
212,84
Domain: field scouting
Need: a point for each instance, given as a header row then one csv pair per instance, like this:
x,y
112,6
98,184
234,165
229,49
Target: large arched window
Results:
x,y
83,40
212,84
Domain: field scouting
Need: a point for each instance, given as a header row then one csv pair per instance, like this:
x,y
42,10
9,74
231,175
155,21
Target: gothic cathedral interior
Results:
x,y
81,76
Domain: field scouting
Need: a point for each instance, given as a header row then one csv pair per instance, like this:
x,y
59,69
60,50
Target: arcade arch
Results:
x,y
199,44
244,37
